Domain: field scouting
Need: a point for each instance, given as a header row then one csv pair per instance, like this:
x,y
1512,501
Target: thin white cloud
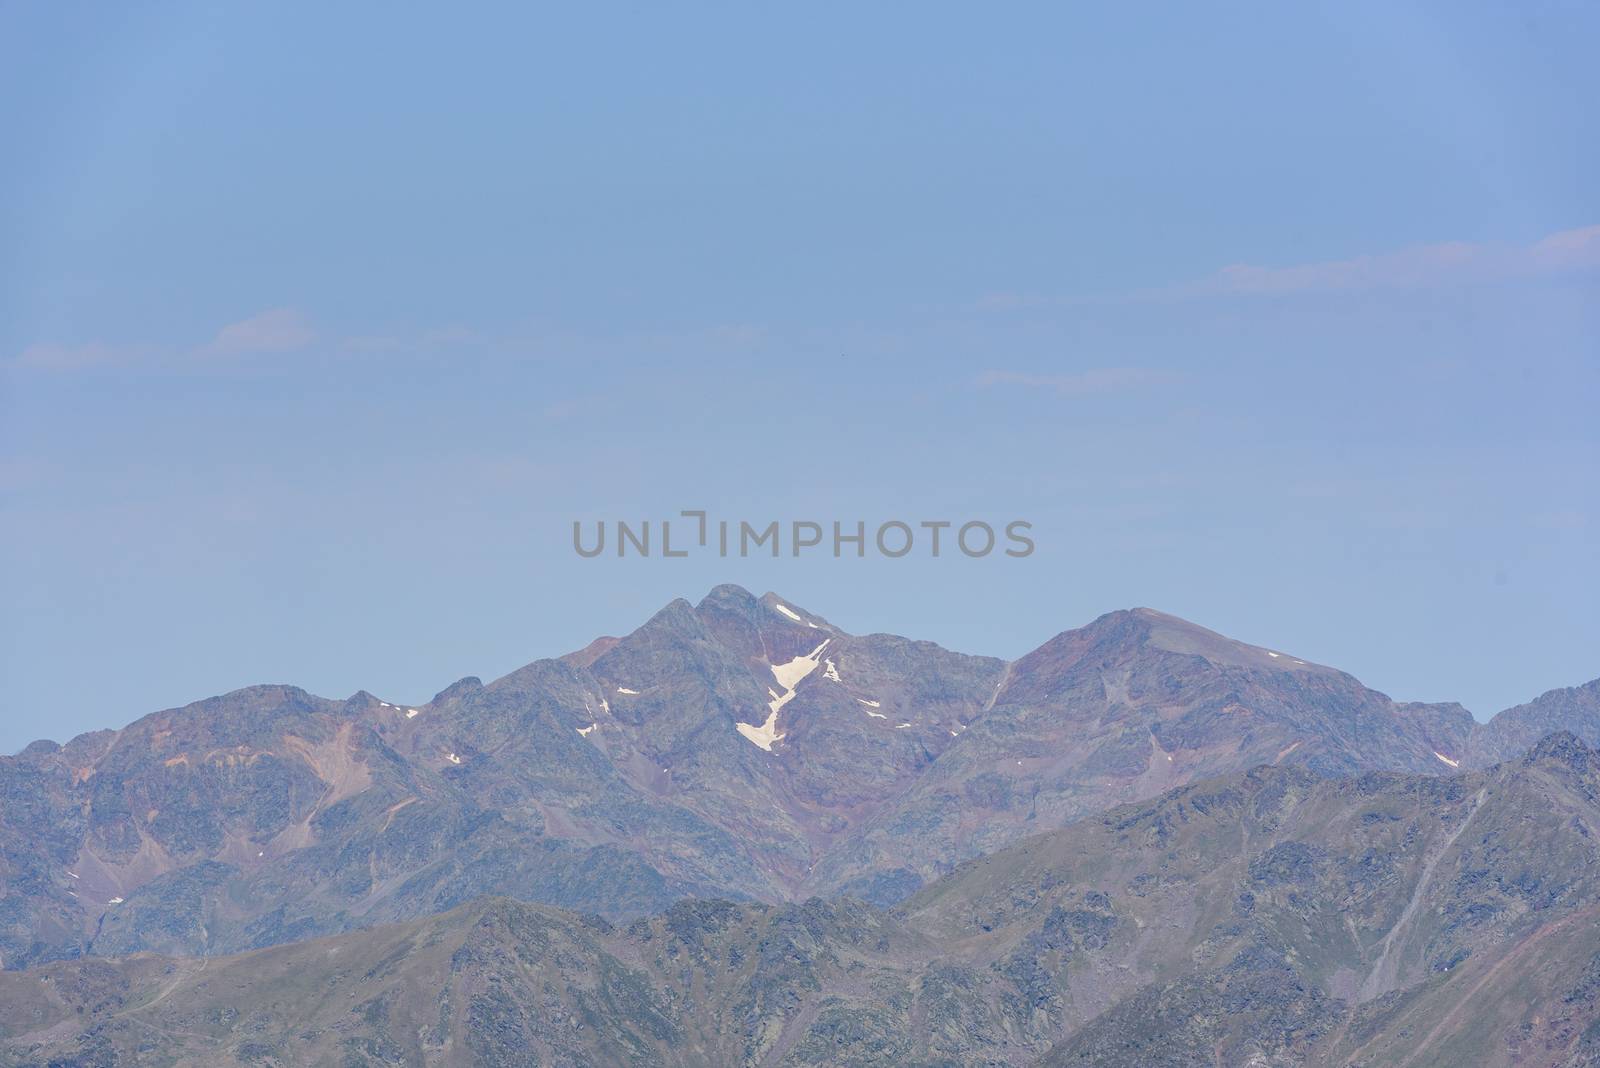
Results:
x,y
288,330
1420,266
52,357
445,337
1432,266
1567,250
278,330
1079,383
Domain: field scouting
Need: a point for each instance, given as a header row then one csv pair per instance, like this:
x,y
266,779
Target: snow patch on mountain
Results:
x,y
788,676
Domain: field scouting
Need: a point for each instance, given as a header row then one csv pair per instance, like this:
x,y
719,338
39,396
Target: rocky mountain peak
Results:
x,y
459,688
1564,749
732,598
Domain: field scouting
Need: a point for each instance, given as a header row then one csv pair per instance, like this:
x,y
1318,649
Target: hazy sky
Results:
x,y
320,324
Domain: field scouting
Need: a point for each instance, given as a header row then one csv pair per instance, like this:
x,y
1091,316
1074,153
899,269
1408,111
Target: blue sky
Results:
x,y
319,327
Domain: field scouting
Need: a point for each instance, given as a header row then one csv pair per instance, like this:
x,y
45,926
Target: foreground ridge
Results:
x,y
1268,917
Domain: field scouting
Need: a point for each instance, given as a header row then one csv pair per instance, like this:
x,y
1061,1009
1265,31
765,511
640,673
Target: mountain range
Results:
x,y
741,778
1271,917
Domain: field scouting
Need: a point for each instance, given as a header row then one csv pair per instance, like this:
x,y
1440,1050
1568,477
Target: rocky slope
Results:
x,y
743,747
1132,704
1273,917
1516,730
